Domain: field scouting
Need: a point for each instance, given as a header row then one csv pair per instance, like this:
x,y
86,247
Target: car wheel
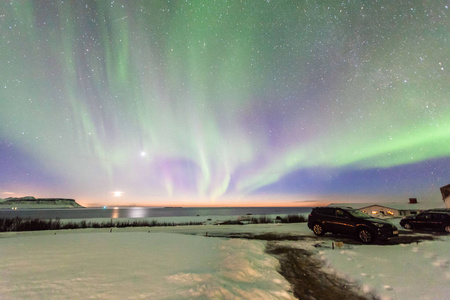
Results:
x,y
407,226
447,228
318,229
365,236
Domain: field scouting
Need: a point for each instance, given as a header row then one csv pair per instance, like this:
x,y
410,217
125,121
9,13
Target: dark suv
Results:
x,y
350,221
434,219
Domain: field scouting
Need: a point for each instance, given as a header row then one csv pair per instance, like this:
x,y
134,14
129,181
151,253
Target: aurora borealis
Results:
x,y
224,102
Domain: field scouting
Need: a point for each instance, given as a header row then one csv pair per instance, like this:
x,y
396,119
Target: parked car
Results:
x,y
342,220
435,219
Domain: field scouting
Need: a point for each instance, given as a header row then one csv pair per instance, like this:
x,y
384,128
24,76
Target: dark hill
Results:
x,y
31,202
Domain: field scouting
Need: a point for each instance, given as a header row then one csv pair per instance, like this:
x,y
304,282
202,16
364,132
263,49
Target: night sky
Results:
x,y
224,102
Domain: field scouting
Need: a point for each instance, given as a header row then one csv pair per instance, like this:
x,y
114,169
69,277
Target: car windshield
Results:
x,y
358,214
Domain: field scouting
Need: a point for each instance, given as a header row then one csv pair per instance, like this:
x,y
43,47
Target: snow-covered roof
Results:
x,y
352,205
392,205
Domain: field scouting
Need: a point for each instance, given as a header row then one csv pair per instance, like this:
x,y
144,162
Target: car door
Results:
x,y
327,218
343,222
438,221
445,220
424,220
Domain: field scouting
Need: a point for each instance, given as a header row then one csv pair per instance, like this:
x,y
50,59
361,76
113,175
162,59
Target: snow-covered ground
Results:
x,y
184,262
407,271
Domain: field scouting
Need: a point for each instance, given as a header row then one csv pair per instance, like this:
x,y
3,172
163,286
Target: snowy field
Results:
x,y
185,262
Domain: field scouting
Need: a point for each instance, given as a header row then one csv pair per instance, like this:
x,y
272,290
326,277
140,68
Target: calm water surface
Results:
x,y
148,212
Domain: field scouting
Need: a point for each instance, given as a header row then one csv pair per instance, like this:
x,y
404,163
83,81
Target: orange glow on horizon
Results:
x,y
128,199
305,204
251,201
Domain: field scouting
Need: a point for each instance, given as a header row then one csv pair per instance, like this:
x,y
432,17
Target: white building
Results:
x,y
390,209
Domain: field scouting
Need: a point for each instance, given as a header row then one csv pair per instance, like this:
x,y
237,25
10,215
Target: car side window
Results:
x,y
424,217
328,211
340,213
440,217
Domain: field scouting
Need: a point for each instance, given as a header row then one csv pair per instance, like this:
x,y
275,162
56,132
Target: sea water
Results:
x,y
149,212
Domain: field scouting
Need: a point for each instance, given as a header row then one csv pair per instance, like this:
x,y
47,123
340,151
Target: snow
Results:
x,y
136,265
406,271
185,262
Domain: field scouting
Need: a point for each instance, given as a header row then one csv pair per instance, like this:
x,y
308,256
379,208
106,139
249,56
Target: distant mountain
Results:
x,y
31,202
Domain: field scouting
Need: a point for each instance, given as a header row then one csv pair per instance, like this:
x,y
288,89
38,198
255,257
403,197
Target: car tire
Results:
x,y
318,229
366,236
447,228
407,226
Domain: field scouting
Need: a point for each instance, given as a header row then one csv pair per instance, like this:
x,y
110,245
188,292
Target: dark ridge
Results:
x,y
24,201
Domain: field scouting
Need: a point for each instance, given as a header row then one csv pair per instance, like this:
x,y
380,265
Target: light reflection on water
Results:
x,y
115,213
137,212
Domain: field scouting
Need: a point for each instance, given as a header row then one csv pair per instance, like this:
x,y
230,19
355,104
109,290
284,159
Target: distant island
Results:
x,y
32,202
